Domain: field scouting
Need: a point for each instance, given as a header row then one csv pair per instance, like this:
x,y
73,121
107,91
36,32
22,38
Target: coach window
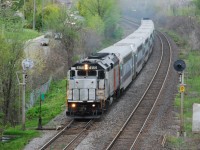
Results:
x,y
101,74
81,73
151,36
140,48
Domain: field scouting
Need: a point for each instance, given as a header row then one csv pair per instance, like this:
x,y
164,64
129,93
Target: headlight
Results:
x,y
86,67
93,105
73,105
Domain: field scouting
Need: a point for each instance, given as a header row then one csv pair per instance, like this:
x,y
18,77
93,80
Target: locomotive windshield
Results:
x,y
92,73
81,73
86,73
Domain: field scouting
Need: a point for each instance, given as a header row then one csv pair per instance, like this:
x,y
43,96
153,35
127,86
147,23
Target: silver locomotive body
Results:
x,y
92,84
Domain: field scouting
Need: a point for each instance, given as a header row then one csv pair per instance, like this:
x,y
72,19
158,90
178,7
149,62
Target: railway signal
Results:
x,y
180,66
27,64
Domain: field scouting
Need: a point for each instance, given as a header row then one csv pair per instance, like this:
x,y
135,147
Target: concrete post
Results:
x,y
182,107
23,100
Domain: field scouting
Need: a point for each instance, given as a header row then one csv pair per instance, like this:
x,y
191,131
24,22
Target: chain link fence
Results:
x,y
35,94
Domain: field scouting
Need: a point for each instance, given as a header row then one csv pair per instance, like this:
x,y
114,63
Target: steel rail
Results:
x,y
73,140
56,136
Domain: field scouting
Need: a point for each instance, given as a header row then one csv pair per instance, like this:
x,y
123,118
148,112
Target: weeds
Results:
x,y
51,106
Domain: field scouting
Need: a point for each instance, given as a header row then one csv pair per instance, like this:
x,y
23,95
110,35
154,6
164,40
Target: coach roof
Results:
x,y
119,51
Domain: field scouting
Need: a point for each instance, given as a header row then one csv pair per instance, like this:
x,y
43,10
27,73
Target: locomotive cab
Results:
x,y
89,86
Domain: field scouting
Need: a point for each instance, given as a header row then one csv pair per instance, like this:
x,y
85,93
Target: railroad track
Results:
x,y
127,137
69,137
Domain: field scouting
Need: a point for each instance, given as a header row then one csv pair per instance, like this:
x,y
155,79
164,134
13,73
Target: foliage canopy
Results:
x,y
107,11
11,53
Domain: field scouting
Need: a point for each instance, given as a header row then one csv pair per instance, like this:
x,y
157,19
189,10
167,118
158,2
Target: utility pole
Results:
x,y
34,11
42,14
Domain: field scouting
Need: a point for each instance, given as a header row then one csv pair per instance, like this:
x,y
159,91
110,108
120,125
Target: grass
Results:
x,y
51,106
177,39
192,94
22,138
174,142
193,82
24,35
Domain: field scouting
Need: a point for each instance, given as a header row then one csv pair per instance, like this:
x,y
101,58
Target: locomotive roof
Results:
x,y
100,60
98,55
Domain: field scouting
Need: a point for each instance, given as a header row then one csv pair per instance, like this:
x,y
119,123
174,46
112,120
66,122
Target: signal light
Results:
x,y
179,65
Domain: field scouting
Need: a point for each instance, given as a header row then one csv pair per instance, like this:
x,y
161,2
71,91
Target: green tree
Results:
x,y
96,24
108,11
28,9
11,52
197,4
67,24
50,13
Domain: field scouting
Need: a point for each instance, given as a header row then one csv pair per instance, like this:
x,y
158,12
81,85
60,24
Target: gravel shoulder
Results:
x,y
164,117
104,131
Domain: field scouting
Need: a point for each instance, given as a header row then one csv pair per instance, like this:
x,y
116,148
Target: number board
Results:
x,y
89,67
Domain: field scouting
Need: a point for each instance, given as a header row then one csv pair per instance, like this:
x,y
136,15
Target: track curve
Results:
x,y
128,135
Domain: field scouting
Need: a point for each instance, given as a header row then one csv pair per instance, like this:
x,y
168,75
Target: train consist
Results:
x,y
94,82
